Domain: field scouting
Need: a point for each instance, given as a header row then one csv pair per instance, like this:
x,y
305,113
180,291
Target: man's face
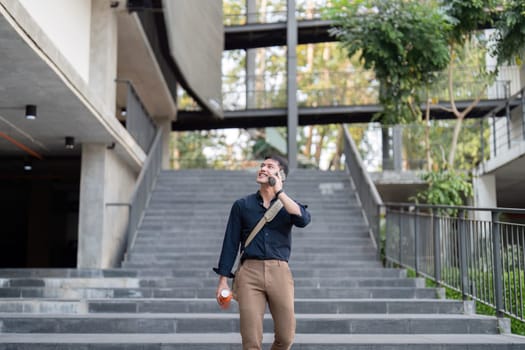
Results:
x,y
269,167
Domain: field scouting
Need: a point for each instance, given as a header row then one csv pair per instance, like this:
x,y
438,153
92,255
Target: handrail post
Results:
x,y
523,112
507,117
494,133
416,241
482,141
437,247
400,240
463,254
498,273
377,233
387,230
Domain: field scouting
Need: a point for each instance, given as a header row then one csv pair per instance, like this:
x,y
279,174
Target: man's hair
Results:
x,y
283,163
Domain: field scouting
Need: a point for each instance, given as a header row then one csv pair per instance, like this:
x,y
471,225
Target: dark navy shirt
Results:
x,y
273,241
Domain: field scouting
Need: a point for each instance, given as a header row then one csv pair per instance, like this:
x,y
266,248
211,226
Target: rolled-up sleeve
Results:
x,y
303,219
230,244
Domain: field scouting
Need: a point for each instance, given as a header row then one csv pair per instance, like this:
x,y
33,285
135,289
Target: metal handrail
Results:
x,y
143,188
475,251
138,122
368,195
500,122
410,157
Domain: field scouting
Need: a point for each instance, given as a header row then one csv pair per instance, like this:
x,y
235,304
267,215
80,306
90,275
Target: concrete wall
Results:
x,y
105,181
119,186
196,37
484,195
85,34
103,56
68,25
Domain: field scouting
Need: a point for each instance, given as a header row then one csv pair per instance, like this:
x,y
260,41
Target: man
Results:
x,y
263,276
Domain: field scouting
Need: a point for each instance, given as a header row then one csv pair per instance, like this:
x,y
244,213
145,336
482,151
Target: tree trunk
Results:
x,y
454,145
339,146
308,146
260,62
459,115
427,133
174,152
319,145
310,47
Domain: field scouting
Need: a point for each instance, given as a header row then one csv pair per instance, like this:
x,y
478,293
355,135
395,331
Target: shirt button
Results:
x,y
266,234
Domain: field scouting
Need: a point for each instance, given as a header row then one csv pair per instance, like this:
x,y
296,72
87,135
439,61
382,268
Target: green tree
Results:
x,y
408,42
468,16
404,42
510,32
446,188
187,149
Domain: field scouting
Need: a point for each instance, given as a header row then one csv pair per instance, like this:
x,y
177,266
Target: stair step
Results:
x,y
211,281
70,282
228,322
163,297
327,306
209,305
232,341
205,292
66,272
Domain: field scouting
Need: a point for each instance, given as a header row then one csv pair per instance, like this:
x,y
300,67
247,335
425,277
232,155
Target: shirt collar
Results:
x,y
260,198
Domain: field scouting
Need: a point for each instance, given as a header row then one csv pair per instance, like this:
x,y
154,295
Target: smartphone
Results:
x,y
281,174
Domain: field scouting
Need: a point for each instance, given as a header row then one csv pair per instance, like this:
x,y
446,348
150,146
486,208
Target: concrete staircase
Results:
x,y
163,296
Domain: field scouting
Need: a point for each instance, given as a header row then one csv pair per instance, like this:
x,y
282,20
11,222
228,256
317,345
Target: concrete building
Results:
x,y
85,86
99,78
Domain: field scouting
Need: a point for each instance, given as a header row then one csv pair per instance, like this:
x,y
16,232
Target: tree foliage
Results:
x,y
408,42
446,187
510,34
404,42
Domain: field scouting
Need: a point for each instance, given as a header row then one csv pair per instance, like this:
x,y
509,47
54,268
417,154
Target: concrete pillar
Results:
x,y
91,206
164,123
397,147
386,147
484,195
522,75
293,114
106,185
103,55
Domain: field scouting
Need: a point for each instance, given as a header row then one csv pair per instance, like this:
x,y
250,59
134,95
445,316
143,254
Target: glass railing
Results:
x,y
243,18
409,139
344,89
239,16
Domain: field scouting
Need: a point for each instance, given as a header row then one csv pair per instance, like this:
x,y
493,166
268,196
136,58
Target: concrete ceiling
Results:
x,y
25,78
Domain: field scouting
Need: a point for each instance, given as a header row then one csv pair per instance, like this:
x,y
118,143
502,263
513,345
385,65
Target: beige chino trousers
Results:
x,y
257,283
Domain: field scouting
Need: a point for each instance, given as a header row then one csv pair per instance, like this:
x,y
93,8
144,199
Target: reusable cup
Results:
x,y
224,298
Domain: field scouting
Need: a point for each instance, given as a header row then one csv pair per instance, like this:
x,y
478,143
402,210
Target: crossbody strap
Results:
x,y
267,217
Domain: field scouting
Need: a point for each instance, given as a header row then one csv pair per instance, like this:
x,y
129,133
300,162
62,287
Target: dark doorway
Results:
x,y
39,213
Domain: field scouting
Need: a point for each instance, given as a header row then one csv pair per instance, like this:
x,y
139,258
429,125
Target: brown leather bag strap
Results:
x,y
267,217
